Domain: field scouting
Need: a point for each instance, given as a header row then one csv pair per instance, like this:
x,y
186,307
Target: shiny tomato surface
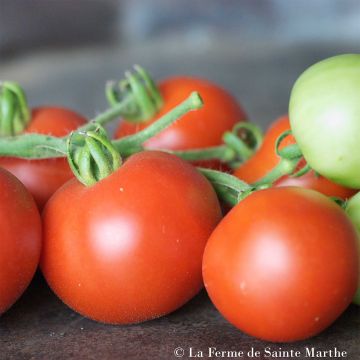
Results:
x,y
20,241
129,248
266,159
43,177
283,264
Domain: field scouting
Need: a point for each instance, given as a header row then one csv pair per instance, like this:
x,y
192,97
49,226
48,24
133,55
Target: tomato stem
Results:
x,y
232,190
239,145
14,110
109,114
290,157
229,188
133,143
37,146
284,167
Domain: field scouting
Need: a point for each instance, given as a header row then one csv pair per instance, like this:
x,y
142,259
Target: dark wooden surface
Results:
x,y
39,326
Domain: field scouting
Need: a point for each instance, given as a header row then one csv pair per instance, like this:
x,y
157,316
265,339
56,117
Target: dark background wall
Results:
x,y
26,25
63,51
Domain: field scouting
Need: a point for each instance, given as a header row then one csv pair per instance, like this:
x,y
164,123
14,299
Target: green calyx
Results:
x,y
91,155
14,111
146,98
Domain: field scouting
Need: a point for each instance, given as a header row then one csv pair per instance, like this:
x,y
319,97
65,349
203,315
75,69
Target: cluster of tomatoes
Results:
x,y
138,243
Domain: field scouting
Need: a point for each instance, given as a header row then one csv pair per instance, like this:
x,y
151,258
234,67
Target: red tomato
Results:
x,y
20,241
197,129
283,264
43,177
129,248
265,159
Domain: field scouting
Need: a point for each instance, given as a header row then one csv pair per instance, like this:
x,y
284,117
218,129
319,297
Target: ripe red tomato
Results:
x,y
43,177
197,129
20,241
265,159
129,248
283,264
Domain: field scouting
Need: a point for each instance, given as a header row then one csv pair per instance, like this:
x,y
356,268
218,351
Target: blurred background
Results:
x,y
63,51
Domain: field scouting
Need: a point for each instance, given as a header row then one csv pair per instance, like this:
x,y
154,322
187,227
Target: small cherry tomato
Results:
x,y
129,248
266,159
283,264
43,177
20,241
195,130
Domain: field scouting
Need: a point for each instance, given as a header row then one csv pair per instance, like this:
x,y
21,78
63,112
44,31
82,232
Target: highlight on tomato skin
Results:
x,y
129,248
43,177
265,159
202,128
20,243
280,280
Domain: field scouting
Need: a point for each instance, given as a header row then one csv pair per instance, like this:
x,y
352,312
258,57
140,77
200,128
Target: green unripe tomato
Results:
x,y
353,210
324,115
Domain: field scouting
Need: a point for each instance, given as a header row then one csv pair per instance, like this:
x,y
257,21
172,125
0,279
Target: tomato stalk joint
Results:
x,y
91,155
14,110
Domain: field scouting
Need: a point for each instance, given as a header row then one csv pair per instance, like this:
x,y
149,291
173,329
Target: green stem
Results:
x,y
245,138
228,197
33,146
290,157
224,179
228,187
234,150
37,146
239,146
109,114
221,153
284,167
133,143
232,190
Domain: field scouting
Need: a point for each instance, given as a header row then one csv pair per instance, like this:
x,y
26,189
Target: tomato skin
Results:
x,y
324,113
265,159
20,242
55,121
43,177
276,274
129,248
197,129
